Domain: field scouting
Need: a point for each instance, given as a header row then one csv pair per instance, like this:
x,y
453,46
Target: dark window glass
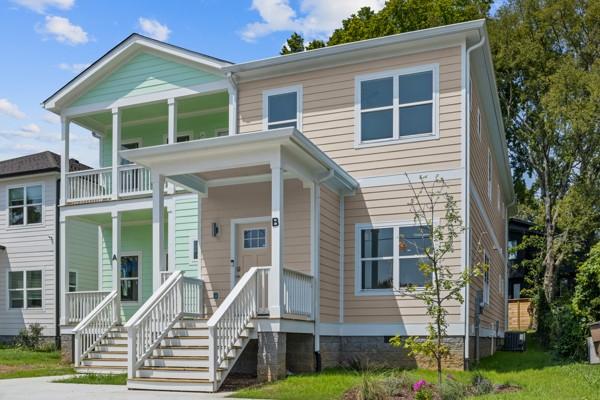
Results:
x,y
180,139
416,120
16,197
34,194
34,214
377,274
413,240
34,299
129,290
415,87
16,299
195,249
377,243
377,93
411,274
15,280
376,125
16,216
282,107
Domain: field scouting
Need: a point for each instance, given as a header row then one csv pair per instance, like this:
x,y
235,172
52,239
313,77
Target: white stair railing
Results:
x,y
231,319
156,317
297,293
193,296
134,179
80,304
94,327
89,184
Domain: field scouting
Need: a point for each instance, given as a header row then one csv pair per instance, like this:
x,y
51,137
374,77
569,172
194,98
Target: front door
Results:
x,y
130,278
253,247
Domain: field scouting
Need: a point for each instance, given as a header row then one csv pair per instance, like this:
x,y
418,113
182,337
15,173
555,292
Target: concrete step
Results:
x,y
104,362
181,361
185,341
174,351
175,372
179,385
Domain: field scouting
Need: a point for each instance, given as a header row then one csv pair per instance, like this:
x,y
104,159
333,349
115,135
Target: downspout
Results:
x,y
467,181
57,265
233,104
317,287
512,203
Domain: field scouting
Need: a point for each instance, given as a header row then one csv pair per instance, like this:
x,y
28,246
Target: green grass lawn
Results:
x,y
16,363
536,372
97,379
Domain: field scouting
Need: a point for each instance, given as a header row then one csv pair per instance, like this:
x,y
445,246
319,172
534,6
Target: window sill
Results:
x,y
386,142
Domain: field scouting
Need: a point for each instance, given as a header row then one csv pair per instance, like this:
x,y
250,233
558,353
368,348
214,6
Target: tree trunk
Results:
x,y
550,269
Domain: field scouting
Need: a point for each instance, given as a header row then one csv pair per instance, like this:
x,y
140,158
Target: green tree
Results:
x,y
548,72
294,44
446,284
586,300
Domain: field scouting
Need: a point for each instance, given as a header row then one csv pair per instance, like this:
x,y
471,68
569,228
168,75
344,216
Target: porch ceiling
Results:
x,y
127,217
244,155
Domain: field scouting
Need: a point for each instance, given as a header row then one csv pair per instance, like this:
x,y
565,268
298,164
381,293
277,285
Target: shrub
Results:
x,y
370,388
453,390
481,385
29,338
586,300
568,332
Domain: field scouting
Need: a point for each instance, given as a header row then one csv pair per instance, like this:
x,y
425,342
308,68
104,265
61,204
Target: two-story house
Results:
x,y
260,210
28,243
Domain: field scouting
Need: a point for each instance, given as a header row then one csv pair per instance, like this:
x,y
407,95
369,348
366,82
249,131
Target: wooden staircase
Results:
x,y
109,356
181,361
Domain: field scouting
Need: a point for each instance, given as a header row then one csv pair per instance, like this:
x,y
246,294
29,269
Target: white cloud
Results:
x,y
316,19
62,30
51,118
10,109
154,29
31,128
40,6
75,68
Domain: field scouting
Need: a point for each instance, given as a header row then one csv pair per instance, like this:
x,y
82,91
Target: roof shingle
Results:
x,y
38,163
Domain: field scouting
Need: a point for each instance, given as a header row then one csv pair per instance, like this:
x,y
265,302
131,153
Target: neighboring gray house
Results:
x,y
28,241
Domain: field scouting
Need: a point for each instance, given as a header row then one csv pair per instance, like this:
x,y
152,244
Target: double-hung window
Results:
x,y
390,257
25,205
397,105
282,108
25,289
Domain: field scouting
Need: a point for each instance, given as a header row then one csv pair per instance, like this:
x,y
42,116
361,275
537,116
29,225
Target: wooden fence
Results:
x,y
520,316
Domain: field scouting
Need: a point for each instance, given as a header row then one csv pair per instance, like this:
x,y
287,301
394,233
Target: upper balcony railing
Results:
x,y
94,185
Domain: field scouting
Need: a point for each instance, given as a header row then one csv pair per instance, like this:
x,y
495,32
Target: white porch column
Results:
x,y
172,121
64,160
276,273
116,257
116,147
171,234
64,287
158,232
315,230
232,91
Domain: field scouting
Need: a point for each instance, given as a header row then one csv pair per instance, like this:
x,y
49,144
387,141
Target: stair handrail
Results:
x,y
95,326
149,325
230,320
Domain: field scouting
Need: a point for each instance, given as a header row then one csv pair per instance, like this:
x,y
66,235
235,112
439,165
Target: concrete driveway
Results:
x,y
44,388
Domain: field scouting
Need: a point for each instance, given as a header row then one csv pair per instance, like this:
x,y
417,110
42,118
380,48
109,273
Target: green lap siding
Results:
x,y
145,74
82,253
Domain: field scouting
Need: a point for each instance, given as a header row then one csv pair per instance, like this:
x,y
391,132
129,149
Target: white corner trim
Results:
x,y
403,179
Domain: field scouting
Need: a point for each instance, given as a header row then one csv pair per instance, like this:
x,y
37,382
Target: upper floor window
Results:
x,y
397,105
25,205
25,289
390,257
282,108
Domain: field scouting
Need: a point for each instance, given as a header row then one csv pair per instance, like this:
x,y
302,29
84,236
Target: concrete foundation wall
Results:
x,y
66,348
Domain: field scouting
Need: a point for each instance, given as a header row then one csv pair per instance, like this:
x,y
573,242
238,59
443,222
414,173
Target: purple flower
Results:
x,y
418,385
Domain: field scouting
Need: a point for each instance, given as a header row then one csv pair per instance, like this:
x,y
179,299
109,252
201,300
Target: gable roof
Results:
x,y
34,164
130,45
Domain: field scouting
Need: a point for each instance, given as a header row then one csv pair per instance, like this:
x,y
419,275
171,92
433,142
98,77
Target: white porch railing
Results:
x,y
147,327
297,293
232,318
92,329
134,180
80,304
89,185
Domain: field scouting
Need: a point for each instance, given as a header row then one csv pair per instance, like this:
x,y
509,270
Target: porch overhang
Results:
x,y
183,163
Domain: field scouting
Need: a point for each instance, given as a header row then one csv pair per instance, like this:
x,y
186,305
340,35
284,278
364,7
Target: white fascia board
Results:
x,y
327,55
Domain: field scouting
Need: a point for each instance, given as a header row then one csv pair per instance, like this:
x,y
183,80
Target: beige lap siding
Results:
x,y
328,115
329,278
245,201
385,204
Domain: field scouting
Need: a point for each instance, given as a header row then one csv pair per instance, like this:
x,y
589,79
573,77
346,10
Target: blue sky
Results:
x,y
47,42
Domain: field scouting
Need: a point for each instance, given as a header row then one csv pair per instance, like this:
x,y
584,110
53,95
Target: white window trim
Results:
x,y
486,285
193,260
24,290
219,132
288,89
358,143
255,248
489,174
139,277
395,290
25,223
76,281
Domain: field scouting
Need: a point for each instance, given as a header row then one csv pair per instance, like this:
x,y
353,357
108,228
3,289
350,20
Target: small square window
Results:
x,y
255,238
72,281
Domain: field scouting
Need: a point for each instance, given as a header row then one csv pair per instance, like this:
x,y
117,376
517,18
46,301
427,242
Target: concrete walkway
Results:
x,y
44,388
